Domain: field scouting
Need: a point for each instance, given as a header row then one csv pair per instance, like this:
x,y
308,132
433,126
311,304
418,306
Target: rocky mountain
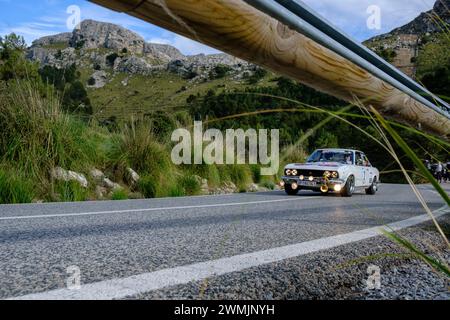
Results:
x,y
402,45
428,22
108,48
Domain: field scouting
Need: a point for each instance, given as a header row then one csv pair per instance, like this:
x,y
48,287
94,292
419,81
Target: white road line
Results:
x,y
138,284
59,215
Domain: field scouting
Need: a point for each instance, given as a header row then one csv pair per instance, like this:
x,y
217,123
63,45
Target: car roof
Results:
x,y
339,149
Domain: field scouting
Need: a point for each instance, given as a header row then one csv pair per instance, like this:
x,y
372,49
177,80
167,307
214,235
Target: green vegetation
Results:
x,y
14,188
70,191
119,194
12,60
57,46
219,71
190,184
433,65
387,54
67,82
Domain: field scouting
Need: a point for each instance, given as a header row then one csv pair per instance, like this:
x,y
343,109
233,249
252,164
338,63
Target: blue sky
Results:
x,y
33,19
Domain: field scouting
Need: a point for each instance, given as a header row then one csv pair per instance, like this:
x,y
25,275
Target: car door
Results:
x,y
361,170
369,172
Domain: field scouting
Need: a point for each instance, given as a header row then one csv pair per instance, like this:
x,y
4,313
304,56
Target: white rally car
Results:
x,y
338,170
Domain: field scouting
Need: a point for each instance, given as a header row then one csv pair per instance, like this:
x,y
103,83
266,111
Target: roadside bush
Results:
x,y
137,147
256,173
241,175
70,191
209,172
213,176
37,136
14,188
176,191
119,195
148,186
269,185
190,185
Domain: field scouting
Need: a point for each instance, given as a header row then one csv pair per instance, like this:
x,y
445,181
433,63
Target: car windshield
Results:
x,y
344,157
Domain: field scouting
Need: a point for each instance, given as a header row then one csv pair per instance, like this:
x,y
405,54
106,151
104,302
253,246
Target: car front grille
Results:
x,y
309,173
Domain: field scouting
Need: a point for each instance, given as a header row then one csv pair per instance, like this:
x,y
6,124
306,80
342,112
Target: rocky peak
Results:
x,y
405,41
59,39
105,46
427,22
94,35
163,52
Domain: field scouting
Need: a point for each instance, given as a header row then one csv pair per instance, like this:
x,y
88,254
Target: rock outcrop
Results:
x,y
93,35
428,22
59,39
163,52
61,174
101,46
405,41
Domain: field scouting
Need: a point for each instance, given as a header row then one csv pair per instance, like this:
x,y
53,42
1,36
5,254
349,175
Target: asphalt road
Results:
x,y
129,248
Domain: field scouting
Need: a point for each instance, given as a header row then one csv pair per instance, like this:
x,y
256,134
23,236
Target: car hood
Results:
x,y
316,166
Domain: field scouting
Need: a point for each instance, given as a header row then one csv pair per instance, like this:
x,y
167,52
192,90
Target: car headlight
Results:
x,y
294,172
288,172
302,177
335,174
327,174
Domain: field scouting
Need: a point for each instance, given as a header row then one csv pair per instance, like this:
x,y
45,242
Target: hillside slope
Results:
x,y
402,46
126,75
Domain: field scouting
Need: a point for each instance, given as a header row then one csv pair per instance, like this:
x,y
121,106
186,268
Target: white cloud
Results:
x,y
185,45
190,47
31,31
160,40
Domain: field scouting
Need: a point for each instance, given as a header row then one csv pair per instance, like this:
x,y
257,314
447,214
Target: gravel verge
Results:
x,y
339,273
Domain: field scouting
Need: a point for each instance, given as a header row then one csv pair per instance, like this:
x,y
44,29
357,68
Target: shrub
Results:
x,y
176,191
70,191
119,194
68,85
76,100
269,185
37,135
190,185
13,63
220,71
147,186
213,176
256,173
80,44
137,147
241,176
14,188
257,76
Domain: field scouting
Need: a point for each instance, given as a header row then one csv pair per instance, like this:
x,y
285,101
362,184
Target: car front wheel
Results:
x,y
290,191
349,187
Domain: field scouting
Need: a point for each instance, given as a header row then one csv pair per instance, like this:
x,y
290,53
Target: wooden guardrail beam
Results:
x,y
237,28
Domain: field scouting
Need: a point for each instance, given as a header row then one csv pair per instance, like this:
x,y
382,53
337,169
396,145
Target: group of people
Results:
x,y
441,171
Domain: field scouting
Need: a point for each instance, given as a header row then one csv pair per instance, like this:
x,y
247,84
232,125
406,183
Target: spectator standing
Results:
x,y
439,172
